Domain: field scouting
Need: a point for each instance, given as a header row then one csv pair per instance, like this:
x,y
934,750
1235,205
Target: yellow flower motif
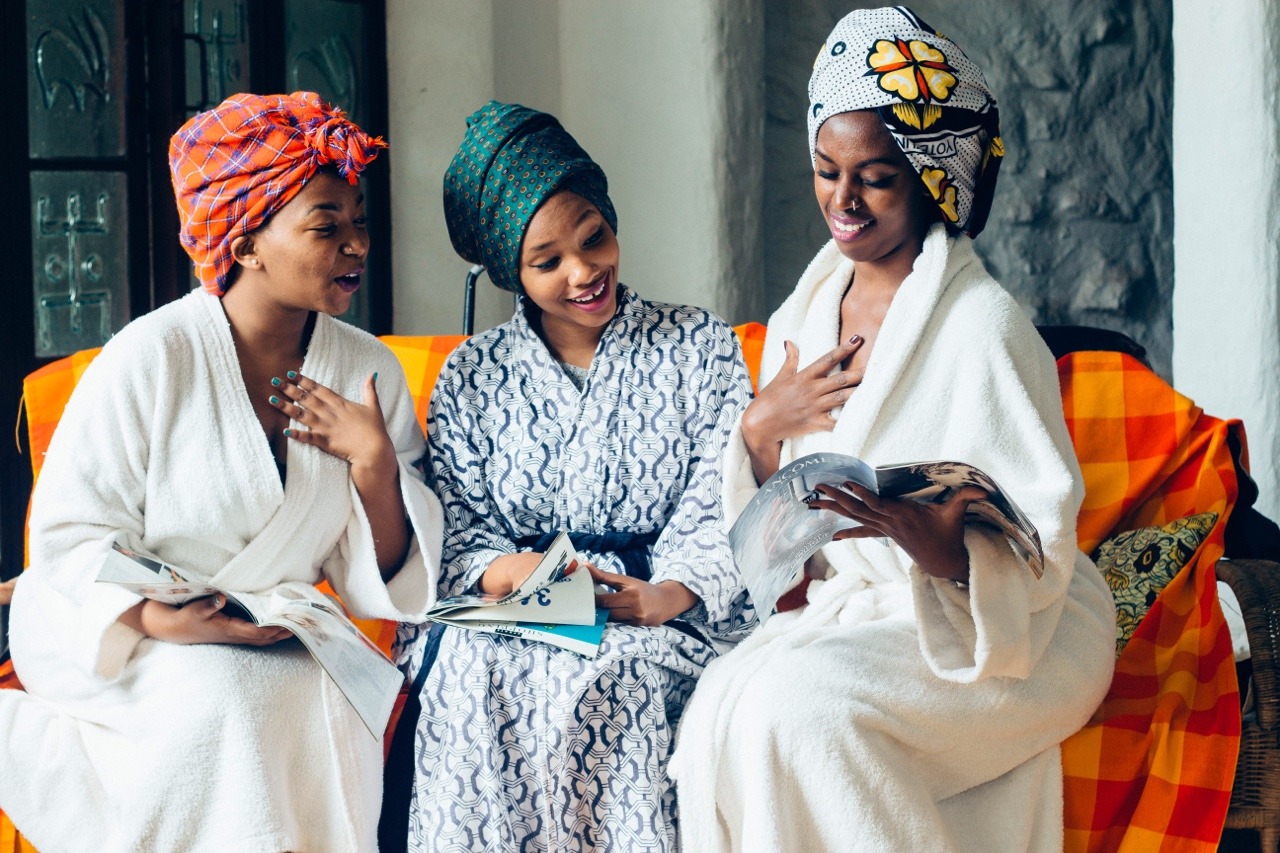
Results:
x,y
921,116
943,191
914,70
994,150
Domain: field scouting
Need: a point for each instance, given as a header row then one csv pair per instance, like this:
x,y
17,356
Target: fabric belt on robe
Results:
x,y
632,549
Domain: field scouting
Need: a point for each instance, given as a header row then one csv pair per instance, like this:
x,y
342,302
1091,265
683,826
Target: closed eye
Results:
x,y
827,176
547,265
595,238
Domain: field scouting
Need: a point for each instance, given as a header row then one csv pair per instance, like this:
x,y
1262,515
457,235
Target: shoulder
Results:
x,y
683,325
481,351
974,300
979,317
479,360
158,338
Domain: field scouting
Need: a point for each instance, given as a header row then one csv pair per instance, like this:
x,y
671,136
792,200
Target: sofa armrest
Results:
x,y
1256,584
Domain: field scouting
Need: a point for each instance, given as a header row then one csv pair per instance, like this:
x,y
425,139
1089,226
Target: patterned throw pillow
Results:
x,y
1139,563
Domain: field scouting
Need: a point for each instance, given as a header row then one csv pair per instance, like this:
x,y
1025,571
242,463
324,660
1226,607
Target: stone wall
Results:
x,y
1082,228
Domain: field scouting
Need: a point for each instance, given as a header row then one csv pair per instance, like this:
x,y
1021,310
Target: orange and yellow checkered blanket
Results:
x,y
1152,771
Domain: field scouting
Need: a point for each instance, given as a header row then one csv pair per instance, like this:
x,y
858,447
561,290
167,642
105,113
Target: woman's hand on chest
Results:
x,y
797,402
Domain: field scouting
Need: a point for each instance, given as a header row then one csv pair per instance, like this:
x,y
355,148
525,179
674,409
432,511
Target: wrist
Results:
x,y
676,599
496,580
153,619
378,466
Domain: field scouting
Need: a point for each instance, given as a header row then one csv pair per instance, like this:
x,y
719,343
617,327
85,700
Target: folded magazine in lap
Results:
x,y
360,670
777,532
549,606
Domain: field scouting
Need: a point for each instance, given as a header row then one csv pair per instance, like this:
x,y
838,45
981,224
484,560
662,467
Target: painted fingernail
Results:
x,y
855,339
275,380
273,400
375,376
292,374
288,431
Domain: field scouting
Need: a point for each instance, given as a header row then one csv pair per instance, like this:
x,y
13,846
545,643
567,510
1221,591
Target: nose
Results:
x,y
847,195
581,270
357,243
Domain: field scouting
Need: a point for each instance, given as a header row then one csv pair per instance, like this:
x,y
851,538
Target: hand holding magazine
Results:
x,y
358,667
778,532
549,606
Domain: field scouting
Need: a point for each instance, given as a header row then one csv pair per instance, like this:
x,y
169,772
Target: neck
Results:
x,y
887,273
570,342
263,328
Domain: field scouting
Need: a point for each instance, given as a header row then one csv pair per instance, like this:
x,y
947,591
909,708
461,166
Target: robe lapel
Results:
x,y
283,511
900,336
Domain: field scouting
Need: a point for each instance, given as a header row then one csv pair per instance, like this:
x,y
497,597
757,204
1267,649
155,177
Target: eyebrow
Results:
x,y
332,205
585,213
888,161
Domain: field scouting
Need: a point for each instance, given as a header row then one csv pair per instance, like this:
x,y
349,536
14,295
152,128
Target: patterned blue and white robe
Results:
x,y
522,746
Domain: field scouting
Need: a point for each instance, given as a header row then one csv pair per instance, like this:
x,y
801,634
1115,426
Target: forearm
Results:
x,y
765,454
379,491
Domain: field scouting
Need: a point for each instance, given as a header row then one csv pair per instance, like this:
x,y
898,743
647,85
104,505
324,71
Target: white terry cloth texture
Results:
x,y
897,711
126,743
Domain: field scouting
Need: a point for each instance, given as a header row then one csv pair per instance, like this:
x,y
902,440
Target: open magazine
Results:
x,y
777,532
549,606
358,667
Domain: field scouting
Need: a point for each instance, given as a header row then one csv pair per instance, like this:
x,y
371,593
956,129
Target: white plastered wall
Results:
x,y
642,86
1226,314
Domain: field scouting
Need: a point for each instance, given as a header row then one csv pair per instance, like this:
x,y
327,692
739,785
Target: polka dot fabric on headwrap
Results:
x,y
511,160
933,100
238,163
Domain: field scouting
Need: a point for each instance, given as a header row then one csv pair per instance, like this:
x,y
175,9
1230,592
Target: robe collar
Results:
x,y
283,508
939,263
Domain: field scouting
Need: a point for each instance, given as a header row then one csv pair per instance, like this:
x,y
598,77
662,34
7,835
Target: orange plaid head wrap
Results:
x,y
238,163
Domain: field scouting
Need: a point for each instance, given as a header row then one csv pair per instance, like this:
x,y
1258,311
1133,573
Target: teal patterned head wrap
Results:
x,y
511,160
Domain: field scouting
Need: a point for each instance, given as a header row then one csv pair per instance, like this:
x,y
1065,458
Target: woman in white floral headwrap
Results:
x,y
918,700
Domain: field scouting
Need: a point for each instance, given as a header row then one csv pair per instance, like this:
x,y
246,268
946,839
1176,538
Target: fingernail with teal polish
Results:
x,y
292,374
275,380
375,376
288,431
273,400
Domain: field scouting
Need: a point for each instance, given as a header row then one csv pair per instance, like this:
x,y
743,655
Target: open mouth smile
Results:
x,y
350,282
845,230
596,297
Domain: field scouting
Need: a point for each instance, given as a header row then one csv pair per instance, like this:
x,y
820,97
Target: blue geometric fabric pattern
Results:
x,y
522,746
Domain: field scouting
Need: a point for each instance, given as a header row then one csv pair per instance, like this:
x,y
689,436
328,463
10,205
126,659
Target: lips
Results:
x,y
350,282
596,296
845,230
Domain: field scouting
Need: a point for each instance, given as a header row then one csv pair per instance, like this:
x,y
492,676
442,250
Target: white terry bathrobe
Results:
x,y
898,712
127,743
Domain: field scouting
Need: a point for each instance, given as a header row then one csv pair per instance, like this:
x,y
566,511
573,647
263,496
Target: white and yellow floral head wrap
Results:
x,y
933,100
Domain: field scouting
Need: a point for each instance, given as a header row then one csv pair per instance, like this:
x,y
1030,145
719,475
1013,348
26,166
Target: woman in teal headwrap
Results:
x,y
595,412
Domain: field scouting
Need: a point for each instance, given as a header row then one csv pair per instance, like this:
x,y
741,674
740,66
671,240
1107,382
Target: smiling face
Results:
x,y
569,266
872,199
311,253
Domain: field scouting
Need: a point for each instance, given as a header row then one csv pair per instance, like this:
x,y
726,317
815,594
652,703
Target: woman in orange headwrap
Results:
x,y
244,435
